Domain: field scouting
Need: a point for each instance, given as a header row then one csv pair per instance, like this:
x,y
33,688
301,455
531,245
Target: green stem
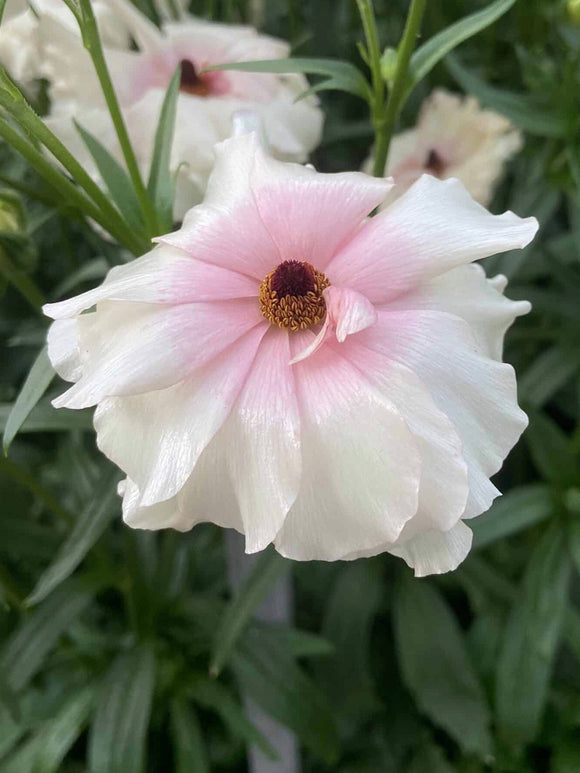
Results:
x,y
21,281
385,128
117,228
92,42
29,481
369,23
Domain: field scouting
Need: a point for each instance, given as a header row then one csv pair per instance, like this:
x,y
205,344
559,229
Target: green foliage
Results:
x,y
108,637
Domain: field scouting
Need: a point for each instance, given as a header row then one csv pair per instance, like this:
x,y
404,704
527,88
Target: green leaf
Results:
x,y
115,178
523,111
346,676
36,384
118,734
340,75
566,755
551,371
161,184
434,50
57,736
518,509
92,270
302,644
268,674
531,640
212,695
436,668
45,418
190,753
27,648
255,587
430,759
90,526
551,450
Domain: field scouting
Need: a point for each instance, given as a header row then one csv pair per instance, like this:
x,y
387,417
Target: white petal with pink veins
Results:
x,y
131,348
156,438
164,275
433,228
361,464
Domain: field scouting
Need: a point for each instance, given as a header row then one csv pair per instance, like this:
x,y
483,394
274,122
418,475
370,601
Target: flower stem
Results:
x,y
92,42
385,127
369,23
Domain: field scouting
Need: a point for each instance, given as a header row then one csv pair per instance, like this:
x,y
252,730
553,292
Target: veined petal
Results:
x,y
162,515
436,552
262,442
466,292
63,349
157,437
227,229
361,464
478,394
311,215
164,275
433,228
133,348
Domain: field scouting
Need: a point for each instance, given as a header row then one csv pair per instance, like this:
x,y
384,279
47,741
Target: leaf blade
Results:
x,y
37,382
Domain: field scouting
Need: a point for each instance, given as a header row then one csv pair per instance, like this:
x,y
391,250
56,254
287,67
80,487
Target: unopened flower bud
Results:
x,y
388,64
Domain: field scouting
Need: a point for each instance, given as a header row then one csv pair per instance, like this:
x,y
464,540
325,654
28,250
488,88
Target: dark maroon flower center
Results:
x,y
435,164
191,82
293,278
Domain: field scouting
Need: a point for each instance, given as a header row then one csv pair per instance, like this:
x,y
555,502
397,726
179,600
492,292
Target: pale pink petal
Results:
x,y
361,464
133,348
478,394
164,275
444,484
467,293
347,312
156,438
63,349
311,215
262,442
227,229
433,228
162,515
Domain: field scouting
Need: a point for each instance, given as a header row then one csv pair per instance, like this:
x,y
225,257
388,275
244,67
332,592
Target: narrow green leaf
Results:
x,y
91,524
161,184
60,733
519,509
523,111
2,7
551,450
92,270
302,644
251,593
212,695
531,640
190,753
430,759
436,48
27,648
436,668
11,730
16,275
551,371
45,418
566,755
269,675
115,178
345,75
36,384
118,734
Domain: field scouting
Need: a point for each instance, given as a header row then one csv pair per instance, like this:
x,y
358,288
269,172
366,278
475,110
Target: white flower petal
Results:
x,y
63,349
433,228
361,464
436,552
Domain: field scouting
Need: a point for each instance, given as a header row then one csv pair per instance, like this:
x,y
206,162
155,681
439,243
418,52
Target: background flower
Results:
x,y
378,431
454,137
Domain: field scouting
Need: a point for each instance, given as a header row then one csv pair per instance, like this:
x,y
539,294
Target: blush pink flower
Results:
x,y
284,366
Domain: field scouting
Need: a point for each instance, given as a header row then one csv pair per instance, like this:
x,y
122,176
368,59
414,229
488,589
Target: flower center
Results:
x,y
191,82
435,164
291,295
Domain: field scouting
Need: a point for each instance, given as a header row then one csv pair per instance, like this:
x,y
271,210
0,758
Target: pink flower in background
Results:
x,y
286,367
206,105
454,137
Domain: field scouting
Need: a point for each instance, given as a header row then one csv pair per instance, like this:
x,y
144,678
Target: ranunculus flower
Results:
x,y
286,367
453,137
206,104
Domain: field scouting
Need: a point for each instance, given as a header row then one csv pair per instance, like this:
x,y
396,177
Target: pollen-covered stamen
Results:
x,y
291,295
435,164
191,82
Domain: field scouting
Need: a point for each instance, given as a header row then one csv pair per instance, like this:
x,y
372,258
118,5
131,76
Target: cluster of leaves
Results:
x,y
124,651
